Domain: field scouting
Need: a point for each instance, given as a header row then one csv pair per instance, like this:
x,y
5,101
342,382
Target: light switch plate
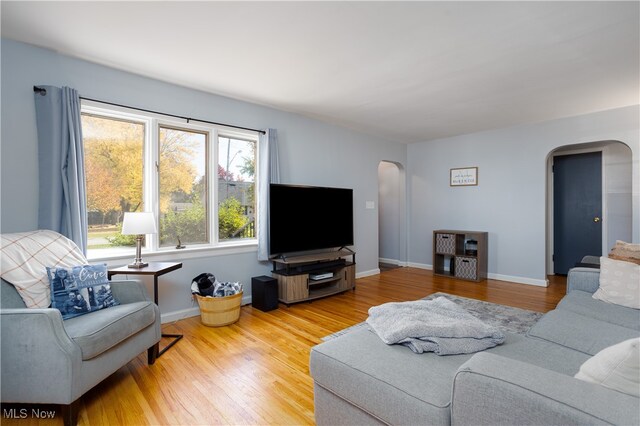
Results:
x,y
370,205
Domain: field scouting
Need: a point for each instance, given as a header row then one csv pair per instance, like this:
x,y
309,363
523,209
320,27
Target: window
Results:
x,y
182,171
139,162
113,151
236,188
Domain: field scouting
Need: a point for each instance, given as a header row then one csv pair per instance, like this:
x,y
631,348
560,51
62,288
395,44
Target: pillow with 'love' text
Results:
x,y
79,290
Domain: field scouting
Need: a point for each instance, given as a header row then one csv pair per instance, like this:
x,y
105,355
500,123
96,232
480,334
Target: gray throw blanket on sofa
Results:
x,y
438,325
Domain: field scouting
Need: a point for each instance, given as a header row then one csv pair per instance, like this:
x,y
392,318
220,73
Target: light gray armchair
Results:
x,y
46,360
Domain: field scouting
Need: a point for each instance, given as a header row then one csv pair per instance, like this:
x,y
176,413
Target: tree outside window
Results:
x,y
236,188
183,187
114,177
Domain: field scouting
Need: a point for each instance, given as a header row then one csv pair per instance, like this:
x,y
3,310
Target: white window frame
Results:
x,y
151,194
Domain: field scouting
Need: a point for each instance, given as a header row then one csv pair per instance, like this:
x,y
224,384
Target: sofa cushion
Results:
x,y
583,303
389,382
99,331
579,332
543,354
616,367
493,390
9,296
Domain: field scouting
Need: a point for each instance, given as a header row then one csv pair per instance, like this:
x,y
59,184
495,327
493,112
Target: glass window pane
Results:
x,y
113,151
236,188
182,187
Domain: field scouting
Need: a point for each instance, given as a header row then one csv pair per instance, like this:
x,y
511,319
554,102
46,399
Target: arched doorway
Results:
x,y
615,221
392,250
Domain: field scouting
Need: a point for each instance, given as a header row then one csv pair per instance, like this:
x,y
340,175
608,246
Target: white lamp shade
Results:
x,y
136,223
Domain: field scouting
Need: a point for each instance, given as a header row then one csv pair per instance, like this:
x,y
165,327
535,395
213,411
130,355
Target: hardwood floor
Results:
x,y
256,371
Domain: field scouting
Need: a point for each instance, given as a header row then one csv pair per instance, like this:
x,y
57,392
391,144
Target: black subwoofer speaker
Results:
x,y
264,293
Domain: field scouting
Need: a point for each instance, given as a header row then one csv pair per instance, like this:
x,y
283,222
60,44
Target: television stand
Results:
x,y
295,285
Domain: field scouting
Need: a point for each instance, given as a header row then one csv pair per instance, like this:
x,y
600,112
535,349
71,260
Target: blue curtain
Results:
x,y
268,172
62,202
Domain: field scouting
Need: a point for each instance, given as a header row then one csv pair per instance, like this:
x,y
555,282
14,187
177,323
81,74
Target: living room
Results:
x,y
511,146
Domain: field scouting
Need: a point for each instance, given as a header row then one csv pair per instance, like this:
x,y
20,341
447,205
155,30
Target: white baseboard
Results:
x,y
519,280
368,273
392,261
246,300
420,265
191,312
179,315
499,277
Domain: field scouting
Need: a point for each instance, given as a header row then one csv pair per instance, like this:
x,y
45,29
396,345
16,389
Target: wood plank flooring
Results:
x,y
257,370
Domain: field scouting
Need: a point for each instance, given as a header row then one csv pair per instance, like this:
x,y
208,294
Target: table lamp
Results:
x,y
138,224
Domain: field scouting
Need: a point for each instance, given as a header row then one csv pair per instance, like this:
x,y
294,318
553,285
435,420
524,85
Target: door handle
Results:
x,y
596,219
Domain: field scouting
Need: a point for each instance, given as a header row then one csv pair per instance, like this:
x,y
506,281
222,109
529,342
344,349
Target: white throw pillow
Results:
x,y
616,367
619,283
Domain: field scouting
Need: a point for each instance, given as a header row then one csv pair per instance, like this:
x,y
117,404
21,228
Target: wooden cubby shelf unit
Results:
x,y
294,281
455,255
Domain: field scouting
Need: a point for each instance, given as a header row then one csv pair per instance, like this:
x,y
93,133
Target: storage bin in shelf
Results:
x,y
445,243
466,268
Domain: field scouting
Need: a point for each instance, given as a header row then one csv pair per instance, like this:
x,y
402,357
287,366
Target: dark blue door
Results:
x,y
577,209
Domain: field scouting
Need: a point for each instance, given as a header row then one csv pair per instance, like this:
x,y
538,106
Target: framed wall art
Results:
x,y
467,176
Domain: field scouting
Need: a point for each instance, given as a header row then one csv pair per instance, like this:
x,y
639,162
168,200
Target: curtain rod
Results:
x,y
43,92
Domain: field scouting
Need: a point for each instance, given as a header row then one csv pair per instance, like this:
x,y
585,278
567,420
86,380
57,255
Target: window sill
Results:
x,y
121,256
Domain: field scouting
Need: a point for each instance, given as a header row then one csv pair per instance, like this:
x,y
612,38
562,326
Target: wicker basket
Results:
x,y
219,311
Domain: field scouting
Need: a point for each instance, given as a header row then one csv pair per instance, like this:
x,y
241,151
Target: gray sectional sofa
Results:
x,y
527,380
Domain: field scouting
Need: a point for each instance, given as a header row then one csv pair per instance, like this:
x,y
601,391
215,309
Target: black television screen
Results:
x,y
309,217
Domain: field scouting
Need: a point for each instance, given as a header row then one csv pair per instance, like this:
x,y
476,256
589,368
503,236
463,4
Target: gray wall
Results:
x,y
618,193
510,200
312,153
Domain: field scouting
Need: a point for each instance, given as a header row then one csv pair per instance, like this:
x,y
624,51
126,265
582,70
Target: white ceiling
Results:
x,y
407,71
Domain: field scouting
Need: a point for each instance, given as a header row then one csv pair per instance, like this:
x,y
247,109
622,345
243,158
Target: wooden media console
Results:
x,y
295,275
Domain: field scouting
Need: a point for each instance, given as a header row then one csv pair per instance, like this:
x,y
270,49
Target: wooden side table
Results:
x,y
154,269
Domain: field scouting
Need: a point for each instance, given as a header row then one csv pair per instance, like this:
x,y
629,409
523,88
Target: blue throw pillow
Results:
x,y
80,289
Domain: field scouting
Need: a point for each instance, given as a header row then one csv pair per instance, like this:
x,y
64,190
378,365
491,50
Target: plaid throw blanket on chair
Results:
x,y
24,261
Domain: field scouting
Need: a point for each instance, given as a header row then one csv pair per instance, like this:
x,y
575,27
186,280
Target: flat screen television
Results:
x,y
303,218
